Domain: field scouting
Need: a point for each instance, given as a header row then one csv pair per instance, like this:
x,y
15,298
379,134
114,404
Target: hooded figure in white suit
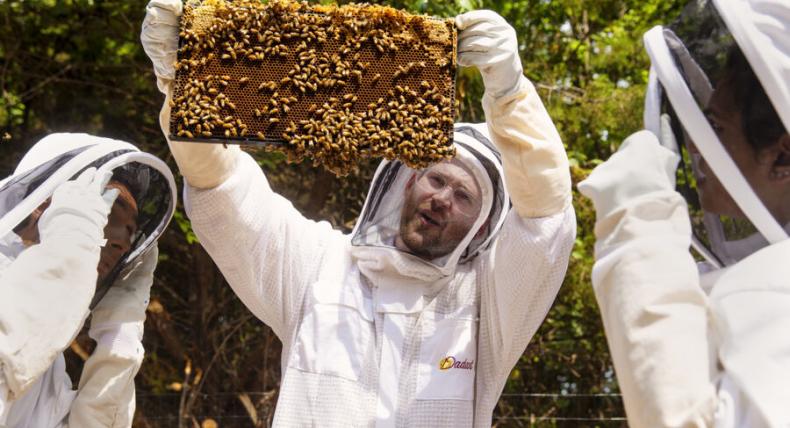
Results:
x,y
417,317
79,220
702,342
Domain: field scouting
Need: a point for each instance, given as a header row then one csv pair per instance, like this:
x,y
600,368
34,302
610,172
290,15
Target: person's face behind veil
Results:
x,y
764,162
120,230
441,205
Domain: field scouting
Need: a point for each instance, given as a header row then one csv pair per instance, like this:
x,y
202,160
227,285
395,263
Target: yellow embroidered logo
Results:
x,y
450,362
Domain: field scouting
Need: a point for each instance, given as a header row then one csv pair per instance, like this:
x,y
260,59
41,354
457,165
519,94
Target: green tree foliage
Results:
x,y
77,65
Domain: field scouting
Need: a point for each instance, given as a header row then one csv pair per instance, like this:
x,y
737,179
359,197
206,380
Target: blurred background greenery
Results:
x,y
78,66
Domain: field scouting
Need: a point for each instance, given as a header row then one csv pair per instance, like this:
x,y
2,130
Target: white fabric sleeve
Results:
x,y
537,173
530,256
5,405
655,313
526,267
267,251
106,393
44,299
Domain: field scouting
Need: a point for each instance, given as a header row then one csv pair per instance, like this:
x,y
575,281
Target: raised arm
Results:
x,y
528,261
45,292
265,248
106,393
267,251
653,308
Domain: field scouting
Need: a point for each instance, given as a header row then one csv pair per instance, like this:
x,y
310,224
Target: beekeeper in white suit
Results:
x,y
79,220
418,316
703,343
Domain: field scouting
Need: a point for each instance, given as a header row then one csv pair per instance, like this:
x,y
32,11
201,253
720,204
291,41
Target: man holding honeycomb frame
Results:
x,y
417,317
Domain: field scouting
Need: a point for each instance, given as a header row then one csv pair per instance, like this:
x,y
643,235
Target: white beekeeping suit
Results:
x,y
49,283
374,335
702,343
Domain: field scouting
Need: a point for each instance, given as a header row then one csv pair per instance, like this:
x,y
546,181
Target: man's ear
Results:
x,y
483,229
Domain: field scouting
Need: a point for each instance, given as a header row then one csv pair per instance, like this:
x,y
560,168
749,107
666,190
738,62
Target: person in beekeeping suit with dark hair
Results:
x,y
418,316
79,220
702,342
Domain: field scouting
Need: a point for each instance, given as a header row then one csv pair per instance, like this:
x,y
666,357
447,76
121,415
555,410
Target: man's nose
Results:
x,y
442,198
118,239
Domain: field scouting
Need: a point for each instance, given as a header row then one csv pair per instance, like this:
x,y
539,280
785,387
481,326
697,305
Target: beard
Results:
x,y
425,239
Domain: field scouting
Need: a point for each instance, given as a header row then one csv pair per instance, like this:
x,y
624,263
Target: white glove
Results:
x,y
202,165
120,314
79,206
489,43
641,166
160,38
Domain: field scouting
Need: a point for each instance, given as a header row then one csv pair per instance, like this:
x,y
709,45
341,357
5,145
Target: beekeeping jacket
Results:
x,y
373,336
44,299
696,344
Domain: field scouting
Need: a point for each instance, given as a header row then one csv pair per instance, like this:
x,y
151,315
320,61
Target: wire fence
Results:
x,y
238,410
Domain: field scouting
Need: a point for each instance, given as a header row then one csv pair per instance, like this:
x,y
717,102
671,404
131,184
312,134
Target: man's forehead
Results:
x,y
458,171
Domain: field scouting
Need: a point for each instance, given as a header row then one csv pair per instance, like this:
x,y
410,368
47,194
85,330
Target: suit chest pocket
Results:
x,y
336,333
447,363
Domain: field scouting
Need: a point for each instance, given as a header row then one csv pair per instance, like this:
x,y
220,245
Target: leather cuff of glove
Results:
x,y
119,338
206,166
507,95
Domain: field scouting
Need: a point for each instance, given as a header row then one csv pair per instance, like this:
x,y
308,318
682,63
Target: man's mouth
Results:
x,y
428,219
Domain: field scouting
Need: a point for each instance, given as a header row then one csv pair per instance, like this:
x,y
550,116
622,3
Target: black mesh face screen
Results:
x,y
151,190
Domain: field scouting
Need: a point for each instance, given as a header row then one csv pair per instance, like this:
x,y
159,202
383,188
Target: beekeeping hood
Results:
x,y
689,60
62,157
373,238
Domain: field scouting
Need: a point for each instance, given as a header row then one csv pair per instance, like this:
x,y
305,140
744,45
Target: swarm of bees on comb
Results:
x,y
333,84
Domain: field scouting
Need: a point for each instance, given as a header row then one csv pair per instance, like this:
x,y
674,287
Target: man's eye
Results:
x,y
463,197
436,181
718,129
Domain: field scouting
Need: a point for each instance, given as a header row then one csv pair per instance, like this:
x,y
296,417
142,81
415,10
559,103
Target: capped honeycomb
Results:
x,y
333,84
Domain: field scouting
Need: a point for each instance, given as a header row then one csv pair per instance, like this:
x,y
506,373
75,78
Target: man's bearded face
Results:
x,y
441,205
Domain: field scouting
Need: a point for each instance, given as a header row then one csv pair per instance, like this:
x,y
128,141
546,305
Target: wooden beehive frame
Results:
x,y
331,83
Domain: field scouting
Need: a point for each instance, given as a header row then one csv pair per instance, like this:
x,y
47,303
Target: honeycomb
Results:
x,y
333,84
